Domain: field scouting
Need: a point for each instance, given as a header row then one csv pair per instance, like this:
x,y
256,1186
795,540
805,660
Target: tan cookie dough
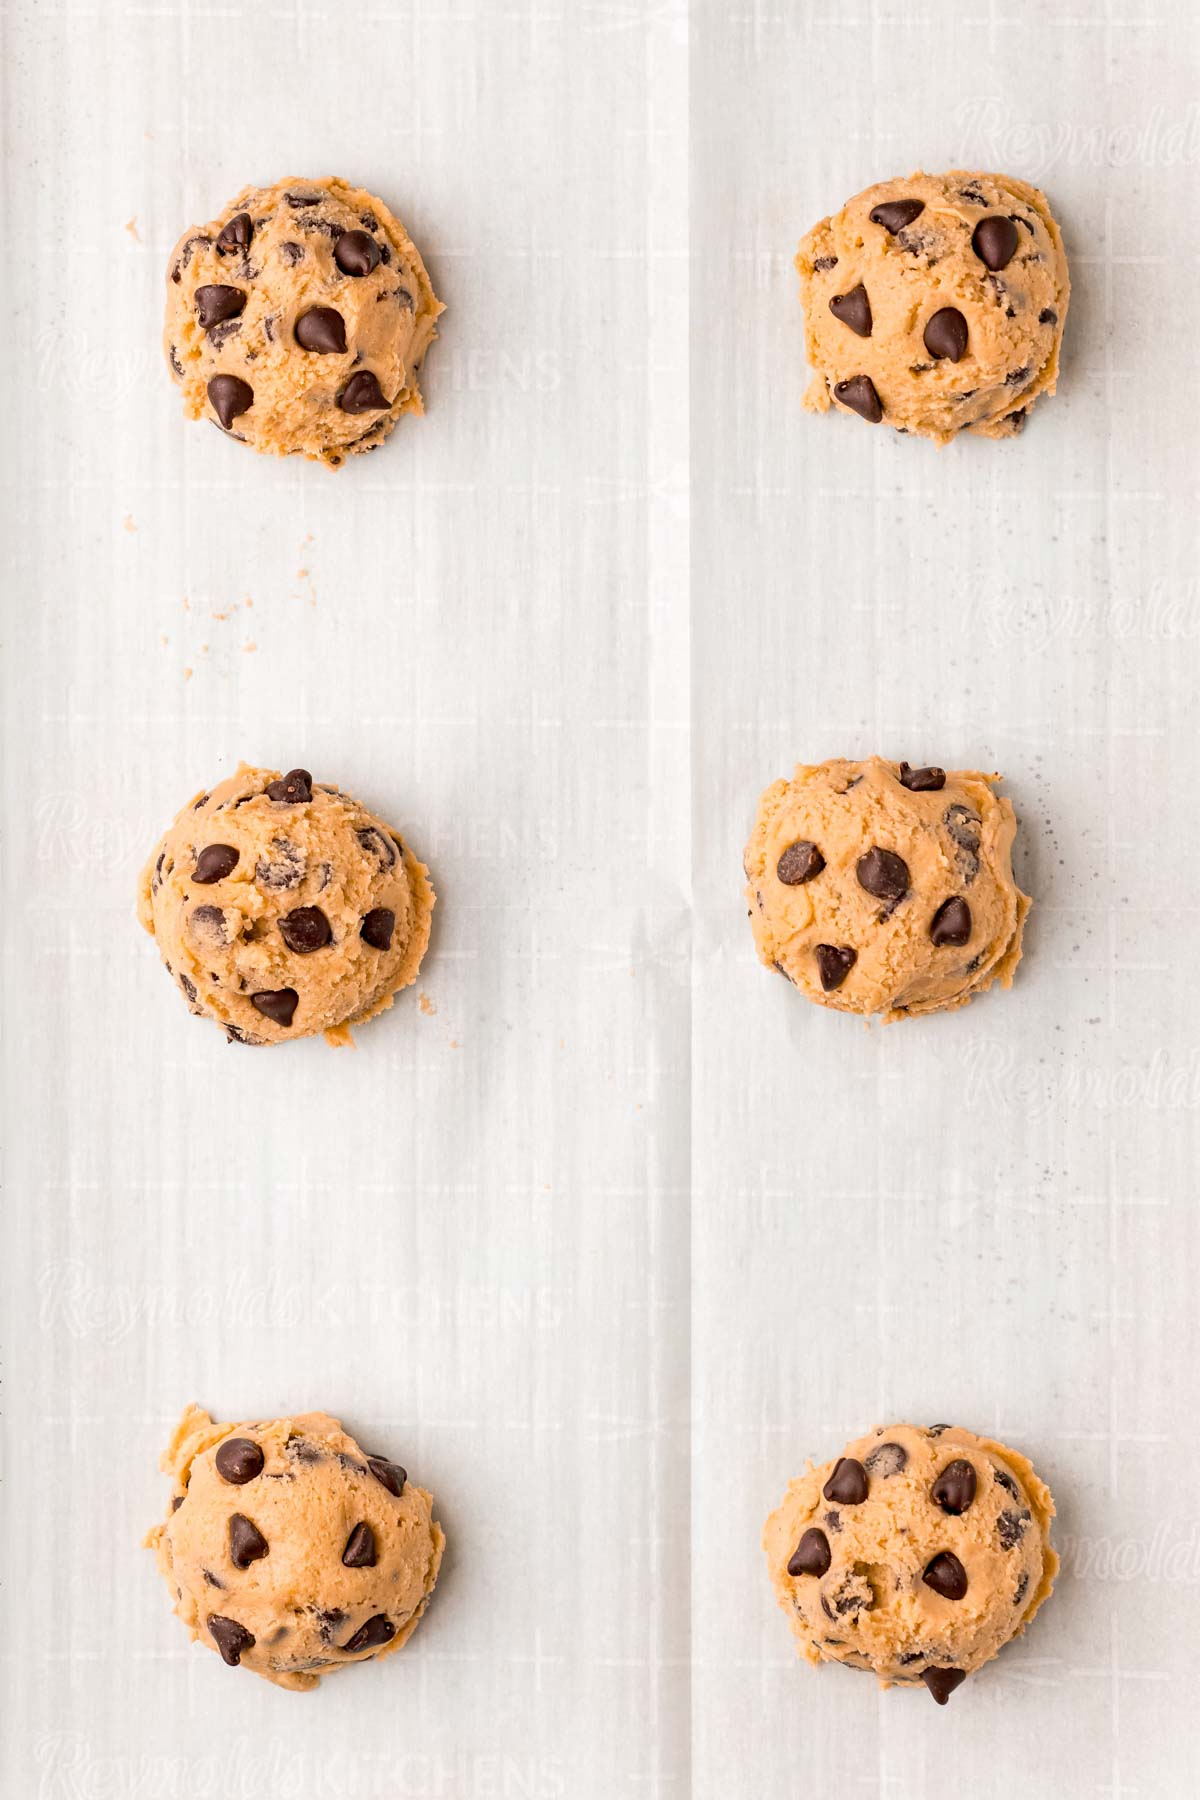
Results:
x,y
936,304
282,908
297,320
289,1550
881,889
917,1554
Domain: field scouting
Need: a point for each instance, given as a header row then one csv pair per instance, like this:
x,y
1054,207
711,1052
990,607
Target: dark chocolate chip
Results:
x,y
883,874
850,1595
230,396
951,923
854,310
811,1555
328,1622
946,335
954,1489
1010,1528
246,1542
302,1449
1022,1589
236,235
292,253
859,395
834,963
378,926
321,330
356,253
283,870
214,863
221,334
294,199
942,1682
937,1430
277,1004
1015,377
373,1635
362,393
215,302
922,781
886,1459
946,1576
177,1502
822,264
994,241
799,863
189,988
305,930
231,1639
212,1580
894,215
1047,316
848,1484
239,1460
379,844
292,788
360,1548
209,922
1007,1482
390,1474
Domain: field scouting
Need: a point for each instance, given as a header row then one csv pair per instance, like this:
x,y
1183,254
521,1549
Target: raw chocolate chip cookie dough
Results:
x,y
282,908
298,319
936,304
289,1550
917,1555
882,889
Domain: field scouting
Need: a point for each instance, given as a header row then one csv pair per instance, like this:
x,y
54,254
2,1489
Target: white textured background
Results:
x,y
606,1245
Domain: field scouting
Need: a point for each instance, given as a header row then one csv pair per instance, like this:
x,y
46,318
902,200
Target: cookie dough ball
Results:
x,y
917,1554
282,908
289,1550
879,888
299,318
936,304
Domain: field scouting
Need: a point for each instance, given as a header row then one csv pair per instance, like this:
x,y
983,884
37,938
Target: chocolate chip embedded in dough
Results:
x,y
854,310
1047,316
300,199
321,330
922,781
214,863
360,1550
239,1460
231,1639
811,1555
894,215
379,844
954,1489
1010,1528
822,264
945,336
189,988
373,1635
235,235
209,922
951,923
860,396
942,1682
378,926
246,1542
800,862
848,1484
1006,1481
390,1474
215,302
291,253
292,789
230,397
284,869
946,1576
883,874
362,393
994,241
277,1004
305,930
965,828
886,1460
834,963
1022,1588
328,1621
356,253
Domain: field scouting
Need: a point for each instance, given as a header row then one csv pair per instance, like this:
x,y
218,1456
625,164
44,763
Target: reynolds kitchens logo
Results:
x,y
994,138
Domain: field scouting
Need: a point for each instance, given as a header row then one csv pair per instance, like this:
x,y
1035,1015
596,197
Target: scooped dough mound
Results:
x,y
882,889
917,1554
283,908
290,1551
936,304
298,319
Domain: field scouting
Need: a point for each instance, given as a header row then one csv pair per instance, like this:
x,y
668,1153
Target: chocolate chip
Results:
x,y
848,1484
823,263
937,1430
214,863
854,310
942,1682
230,396
221,334
1007,1482
1010,1528
946,335
811,1555
212,1580
1047,316
362,393
236,235
188,987
834,963
886,1460
954,1489
277,1004
360,1548
239,1460
378,926
215,302
177,1502
799,863
291,253
951,923
356,253
292,788
246,1542
373,1635
1022,1589
379,844
946,1576
231,1639
209,922
284,870
305,930
859,395
883,873
328,1622
303,1450
294,199
851,1595
321,330
994,241
922,781
390,1474
894,215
